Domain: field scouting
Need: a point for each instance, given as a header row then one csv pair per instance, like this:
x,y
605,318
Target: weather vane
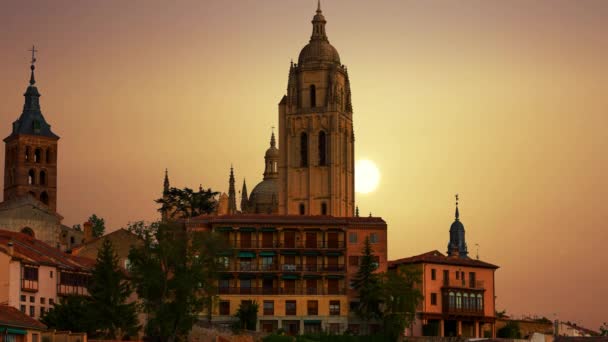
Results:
x,y
33,50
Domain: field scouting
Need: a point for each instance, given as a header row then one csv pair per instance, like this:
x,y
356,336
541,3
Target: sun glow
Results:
x,y
367,176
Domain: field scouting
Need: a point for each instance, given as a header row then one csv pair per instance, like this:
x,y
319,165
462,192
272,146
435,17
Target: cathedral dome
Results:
x,y
456,226
265,196
319,51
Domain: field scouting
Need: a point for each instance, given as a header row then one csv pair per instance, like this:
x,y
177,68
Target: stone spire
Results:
x,y
271,159
244,198
166,183
318,25
231,193
457,246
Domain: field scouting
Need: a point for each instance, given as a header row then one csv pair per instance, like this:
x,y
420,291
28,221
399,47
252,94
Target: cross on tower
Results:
x,y
456,199
33,50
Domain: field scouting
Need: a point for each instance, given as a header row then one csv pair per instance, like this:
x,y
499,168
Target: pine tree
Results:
x,y
368,286
109,291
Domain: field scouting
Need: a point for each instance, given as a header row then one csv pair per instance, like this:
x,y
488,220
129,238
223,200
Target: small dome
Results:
x,y
272,152
265,196
318,51
457,225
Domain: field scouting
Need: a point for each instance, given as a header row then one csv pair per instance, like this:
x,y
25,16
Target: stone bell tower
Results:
x,y
316,139
31,152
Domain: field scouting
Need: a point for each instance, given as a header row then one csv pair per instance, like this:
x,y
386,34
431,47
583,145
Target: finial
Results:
x,y
273,142
457,213
357,211
32,67
200,187
370,214
318,6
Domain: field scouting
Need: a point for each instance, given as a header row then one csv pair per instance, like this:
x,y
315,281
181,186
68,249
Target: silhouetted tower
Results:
x,y
457,245
244,198
231,193
166,186
31,152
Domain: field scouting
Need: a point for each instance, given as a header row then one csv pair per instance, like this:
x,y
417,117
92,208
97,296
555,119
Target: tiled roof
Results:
x,y
78,248
11,317
435,257
32,251
286,219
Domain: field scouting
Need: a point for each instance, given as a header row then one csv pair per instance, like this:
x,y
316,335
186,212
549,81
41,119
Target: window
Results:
x,y
22,308
42,310
446,277
32,299
51,301
373,238
462,278
303,149
465,301
23,298
433,299
34,337
457,275
32,311
42,300
31,175
36,126
322,149
267,263
433,274
479,302
334,307
353,260
42,178
323,208
458,300
452,300
472,279
352,237
37,153
302,209
268,307
313,307
290,307
51,274
224,307
27,153
313,96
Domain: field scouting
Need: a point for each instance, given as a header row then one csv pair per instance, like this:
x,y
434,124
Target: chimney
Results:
x,y
88,231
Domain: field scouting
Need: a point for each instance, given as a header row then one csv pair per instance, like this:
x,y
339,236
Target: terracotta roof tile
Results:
x,y
9,316
29,250
435,257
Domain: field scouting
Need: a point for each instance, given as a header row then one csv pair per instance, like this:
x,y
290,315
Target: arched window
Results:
x,y
458,300
44,198
31,177
452,300
322,148
323,208
42,178
465,301
479,302
27,153
48,155
275,167
27,231
302,209
303,149
313,96
37,155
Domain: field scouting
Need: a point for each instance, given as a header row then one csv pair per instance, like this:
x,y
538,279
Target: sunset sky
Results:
x,y
504,102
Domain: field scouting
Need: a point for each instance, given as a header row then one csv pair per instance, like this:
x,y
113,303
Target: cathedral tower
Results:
x,y
316,164
457,245
31,152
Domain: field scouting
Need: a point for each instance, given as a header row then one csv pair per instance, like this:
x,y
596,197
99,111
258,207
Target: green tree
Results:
x,y
109,291
368,286
510,330
77,227
175,273
185,203
248,315
400,297
98,225
604,329
72,313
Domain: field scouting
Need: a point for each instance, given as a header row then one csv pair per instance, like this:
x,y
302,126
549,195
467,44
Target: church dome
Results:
x,y
265,196
272,152
319,51
456,226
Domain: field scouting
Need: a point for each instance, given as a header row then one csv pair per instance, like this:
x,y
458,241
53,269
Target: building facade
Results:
x,y
459,292
35,275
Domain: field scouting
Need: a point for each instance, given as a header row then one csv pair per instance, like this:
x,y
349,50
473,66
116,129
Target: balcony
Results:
x,y
286,244
29,285
246,267
280,291
66,290
459,284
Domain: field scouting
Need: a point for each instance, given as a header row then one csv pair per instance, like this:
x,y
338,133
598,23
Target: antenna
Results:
x,y
477,245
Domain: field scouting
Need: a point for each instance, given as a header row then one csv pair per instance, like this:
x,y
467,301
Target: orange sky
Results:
x,y
504,102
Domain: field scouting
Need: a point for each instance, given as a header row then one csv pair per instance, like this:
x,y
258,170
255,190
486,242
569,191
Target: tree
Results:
x,y
368,286
510,330
98,225
175,273
400,297
77,227
248,315
72,313
109,291
604,329
185,203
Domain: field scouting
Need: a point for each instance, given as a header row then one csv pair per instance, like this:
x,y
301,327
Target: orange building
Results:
x,y
459,292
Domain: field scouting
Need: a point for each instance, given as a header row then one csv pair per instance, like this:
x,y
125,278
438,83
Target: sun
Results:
x,y
367,176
